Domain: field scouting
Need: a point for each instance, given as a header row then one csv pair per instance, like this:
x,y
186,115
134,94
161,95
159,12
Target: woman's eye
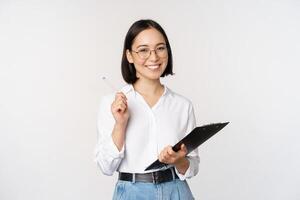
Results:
x,y
161,48
143,50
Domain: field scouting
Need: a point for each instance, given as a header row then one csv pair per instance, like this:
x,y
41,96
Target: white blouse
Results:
x,y
148,131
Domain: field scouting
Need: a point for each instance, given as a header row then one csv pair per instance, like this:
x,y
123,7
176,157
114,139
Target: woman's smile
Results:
x,y
153,66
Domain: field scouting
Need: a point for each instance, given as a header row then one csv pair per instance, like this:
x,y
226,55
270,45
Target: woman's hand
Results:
x,y
119,109
178,159
168,156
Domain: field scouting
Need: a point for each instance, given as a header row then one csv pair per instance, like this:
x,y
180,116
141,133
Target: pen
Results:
x,y
109,84
112,86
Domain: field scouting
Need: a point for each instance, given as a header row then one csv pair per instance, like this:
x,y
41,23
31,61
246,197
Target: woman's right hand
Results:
x,y
119,109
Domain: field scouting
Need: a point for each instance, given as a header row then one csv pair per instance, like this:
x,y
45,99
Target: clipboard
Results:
x,y
194,139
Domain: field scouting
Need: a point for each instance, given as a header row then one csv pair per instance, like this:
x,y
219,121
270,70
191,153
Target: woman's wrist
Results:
x,y
120,126
182,165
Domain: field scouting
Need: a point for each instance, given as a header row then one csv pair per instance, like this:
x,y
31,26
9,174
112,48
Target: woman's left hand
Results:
x,y
168,156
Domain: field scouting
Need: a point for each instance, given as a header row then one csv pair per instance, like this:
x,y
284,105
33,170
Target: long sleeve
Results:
x,y
193,156
107,154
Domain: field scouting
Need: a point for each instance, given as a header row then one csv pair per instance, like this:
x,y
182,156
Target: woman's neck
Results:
x,y
148,87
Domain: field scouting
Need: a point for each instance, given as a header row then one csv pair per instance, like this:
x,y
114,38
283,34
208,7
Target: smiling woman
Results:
x,y
136,125
152,57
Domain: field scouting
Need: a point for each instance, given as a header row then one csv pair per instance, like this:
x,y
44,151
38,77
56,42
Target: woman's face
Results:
x,y
149,64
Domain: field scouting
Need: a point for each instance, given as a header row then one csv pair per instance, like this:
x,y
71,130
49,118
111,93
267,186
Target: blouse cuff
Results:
x,y
114,151
188,172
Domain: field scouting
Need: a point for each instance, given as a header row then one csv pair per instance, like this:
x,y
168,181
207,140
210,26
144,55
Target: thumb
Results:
x,y
183,149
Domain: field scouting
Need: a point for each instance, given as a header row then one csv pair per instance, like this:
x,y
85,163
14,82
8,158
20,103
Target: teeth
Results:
x,y
153,66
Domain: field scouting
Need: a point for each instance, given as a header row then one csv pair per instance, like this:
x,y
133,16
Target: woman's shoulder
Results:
x,y
179,97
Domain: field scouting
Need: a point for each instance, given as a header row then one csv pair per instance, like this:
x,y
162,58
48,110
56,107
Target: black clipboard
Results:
x,y
195,138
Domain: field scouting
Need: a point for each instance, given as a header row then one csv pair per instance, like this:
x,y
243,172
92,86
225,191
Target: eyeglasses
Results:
x,y
145,53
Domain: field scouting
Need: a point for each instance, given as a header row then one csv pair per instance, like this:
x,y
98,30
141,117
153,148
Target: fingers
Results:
x,y
170,151
120,95
120,102
183,150
167,155
119,106
120,99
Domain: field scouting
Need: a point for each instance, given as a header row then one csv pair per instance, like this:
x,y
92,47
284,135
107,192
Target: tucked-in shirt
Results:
x,y
149,130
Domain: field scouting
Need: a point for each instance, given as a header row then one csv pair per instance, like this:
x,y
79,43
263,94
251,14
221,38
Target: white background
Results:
x,y
237,61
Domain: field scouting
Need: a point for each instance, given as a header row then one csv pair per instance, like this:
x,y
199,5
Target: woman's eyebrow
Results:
x,y
145,45
161,43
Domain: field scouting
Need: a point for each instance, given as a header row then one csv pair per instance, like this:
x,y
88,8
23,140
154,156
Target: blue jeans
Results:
x,y
173,190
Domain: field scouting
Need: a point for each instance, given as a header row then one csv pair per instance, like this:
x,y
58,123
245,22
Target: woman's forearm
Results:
x,y
118,135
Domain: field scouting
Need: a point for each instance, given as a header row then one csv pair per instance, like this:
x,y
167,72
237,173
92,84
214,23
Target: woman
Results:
x,y
141,122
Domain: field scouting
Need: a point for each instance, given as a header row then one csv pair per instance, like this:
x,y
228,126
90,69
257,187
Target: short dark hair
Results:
x,y
128,70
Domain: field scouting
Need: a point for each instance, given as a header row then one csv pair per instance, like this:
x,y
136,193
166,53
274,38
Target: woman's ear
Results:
x,y
129,56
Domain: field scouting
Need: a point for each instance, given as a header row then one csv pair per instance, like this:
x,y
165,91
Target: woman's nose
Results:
x,y
153,55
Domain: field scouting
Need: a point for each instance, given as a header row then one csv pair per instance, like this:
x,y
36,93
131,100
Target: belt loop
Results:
x,y
133,178
173,173
153,179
